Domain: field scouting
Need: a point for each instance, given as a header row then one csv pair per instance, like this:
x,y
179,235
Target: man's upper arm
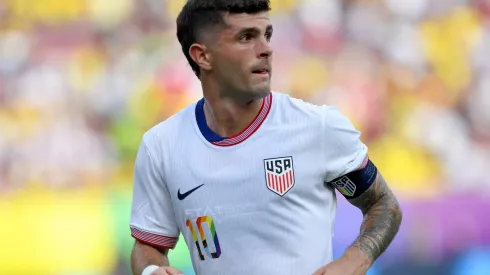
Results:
x,y
349,168
152,215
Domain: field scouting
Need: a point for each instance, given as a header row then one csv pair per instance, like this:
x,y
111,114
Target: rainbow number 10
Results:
x,y
209,221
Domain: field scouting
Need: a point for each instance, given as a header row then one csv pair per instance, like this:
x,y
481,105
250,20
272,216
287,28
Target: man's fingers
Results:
x,y
167,271
173,271
320,271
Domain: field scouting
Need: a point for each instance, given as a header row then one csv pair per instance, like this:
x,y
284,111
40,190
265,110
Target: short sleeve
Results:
x,y
152,215
343,148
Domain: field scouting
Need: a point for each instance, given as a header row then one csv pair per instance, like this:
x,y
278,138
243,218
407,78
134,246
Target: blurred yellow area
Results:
x,y
108,12
49,11
448,44
408,169
58,232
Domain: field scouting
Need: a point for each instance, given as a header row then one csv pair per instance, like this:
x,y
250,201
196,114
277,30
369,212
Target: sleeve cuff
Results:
x,y
364,163
152,239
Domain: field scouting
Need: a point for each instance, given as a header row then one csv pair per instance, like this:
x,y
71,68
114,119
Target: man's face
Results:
x,y
242,56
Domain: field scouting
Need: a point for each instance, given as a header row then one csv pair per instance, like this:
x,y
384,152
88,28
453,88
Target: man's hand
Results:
x,y
339,267
353,262
166,270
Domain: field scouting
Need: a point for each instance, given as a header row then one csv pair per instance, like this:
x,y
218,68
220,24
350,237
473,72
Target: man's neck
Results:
x,y
227,117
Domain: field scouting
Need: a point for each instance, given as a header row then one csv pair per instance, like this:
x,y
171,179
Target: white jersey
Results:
x,y
255,203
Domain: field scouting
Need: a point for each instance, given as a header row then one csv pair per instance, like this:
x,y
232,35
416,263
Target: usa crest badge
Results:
x,y
279,174
345,186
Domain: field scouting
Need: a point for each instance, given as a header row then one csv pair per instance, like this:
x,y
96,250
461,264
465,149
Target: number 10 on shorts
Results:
x,y
210,223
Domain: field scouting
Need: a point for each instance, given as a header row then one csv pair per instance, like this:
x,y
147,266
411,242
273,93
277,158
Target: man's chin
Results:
x,y
262,91
257,95
253,94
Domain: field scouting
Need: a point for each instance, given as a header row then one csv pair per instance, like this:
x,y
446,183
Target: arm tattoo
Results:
x,y
382,218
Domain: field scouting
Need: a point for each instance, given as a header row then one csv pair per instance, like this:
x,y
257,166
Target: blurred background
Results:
x,y
82,80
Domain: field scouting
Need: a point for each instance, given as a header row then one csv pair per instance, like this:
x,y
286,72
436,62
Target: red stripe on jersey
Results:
x,y
286,180
252,128
364,163
276,180
279,186
154,239
281,180
273,183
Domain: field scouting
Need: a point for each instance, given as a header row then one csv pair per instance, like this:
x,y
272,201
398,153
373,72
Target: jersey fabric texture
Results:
x,y
254,203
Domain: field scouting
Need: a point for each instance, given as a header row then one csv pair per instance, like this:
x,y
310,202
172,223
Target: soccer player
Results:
x,y
247,175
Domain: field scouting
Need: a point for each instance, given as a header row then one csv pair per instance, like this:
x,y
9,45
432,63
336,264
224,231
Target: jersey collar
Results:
x,y
216,139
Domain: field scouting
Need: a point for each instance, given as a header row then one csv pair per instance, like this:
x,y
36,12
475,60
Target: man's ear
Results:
x,y
201,55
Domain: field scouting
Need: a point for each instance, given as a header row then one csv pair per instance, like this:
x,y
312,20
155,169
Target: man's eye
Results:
x,y
268,36
246,37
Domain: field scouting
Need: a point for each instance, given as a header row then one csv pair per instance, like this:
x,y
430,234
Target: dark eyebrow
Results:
x,y
254,30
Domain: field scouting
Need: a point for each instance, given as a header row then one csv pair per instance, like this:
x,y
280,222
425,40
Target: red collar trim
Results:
x,y
252,128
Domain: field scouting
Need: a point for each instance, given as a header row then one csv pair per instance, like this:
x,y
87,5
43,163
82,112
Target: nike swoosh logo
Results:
x,y
184,195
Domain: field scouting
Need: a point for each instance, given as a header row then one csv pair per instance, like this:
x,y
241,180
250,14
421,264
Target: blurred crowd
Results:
x,y
81,80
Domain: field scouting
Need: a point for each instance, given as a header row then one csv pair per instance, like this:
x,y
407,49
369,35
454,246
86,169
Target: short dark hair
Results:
x,y
199,15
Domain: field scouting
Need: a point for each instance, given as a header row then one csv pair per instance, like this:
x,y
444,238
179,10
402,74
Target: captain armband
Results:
x,y
357,182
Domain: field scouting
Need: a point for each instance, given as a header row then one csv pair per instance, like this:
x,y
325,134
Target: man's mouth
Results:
x,y
261,71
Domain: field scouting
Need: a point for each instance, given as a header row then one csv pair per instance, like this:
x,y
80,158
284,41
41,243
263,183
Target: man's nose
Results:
x,y
265,49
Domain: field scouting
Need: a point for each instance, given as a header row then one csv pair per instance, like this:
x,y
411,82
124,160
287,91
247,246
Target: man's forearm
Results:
x,y
144,255
382,219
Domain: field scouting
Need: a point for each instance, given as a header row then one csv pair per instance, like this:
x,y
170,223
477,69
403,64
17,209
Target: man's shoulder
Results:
x,y
288,101
296,108
171,126
290,104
